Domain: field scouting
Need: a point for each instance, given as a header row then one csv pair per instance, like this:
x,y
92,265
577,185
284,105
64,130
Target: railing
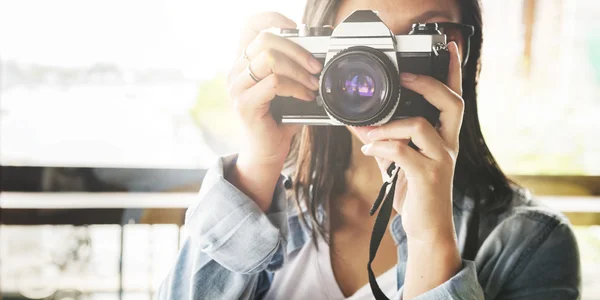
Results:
x,y
123,208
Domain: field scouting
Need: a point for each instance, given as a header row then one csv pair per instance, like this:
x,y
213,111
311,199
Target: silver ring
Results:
x,y
245,56
252,75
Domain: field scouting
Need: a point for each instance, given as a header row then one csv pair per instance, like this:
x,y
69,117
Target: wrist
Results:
x,y
443,250
253,164
445,243
429,264
443,234
253,156
437,244
256,178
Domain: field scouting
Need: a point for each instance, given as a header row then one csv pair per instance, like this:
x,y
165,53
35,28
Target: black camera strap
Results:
x,y
386,202
382,220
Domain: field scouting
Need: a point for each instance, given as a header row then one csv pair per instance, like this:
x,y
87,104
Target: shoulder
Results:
x,y
527,214
522,217
525,244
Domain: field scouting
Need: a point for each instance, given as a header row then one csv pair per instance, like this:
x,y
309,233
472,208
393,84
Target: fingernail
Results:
x,y
365,148
408,76
314,82
314,65
311,95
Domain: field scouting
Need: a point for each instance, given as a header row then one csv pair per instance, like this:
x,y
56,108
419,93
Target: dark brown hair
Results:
x,y
320,155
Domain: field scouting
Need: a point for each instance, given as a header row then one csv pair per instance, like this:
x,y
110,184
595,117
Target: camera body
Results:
x,y
359,84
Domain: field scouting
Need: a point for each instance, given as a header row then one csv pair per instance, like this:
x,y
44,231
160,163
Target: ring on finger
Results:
x,y
252,75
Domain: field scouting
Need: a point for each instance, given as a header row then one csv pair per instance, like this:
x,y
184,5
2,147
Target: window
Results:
x,y
132,88
539,109
113,83
145,87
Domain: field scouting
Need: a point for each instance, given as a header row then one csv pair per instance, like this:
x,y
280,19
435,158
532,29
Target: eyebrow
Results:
x,y
430,14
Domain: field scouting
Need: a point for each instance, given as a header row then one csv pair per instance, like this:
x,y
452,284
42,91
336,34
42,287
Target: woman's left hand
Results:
x,y
424,188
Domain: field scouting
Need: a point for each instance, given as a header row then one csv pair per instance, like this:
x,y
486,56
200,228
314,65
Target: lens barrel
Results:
x,y
360,86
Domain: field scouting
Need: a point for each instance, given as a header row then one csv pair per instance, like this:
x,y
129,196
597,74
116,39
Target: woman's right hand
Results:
x,y
284,69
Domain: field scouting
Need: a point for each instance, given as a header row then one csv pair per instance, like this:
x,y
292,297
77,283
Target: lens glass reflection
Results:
x,y
359,85
355,87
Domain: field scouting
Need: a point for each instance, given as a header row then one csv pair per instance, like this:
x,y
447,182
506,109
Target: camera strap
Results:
x,y
386,202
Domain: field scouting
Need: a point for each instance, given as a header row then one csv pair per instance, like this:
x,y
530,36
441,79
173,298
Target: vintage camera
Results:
x,y
359,84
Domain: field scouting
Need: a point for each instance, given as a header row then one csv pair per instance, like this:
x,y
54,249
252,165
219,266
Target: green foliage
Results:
x,y
213,108
212,96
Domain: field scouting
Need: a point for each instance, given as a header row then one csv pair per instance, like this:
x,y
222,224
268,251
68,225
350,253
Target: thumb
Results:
x,y
289,130
383,166
455,69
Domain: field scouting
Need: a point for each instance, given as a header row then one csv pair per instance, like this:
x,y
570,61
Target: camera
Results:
x,y
359,84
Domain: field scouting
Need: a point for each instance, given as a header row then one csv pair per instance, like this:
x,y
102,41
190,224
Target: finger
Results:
x,y
274,62
402,154
400,192
448,102
261,21
383,164
454,69
267,40
260,95
238,66
361,132
244,81
417,129
290,129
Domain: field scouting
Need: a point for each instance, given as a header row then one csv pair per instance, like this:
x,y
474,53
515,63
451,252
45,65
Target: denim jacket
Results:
x,y
233,250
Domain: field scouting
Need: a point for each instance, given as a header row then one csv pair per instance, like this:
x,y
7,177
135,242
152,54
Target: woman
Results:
x,y
247,242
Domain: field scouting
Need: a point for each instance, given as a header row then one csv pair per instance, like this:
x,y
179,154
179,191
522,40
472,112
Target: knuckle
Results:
x,y
307,77
264,37
400,148
270,55
275,81
238,105
299,73
270,58
306,56
460,103
436,174
420,124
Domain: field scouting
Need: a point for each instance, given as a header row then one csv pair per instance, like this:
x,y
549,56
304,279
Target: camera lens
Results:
x,y
359,86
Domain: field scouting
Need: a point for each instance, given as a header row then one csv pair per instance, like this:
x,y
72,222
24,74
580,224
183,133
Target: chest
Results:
x,y
349,254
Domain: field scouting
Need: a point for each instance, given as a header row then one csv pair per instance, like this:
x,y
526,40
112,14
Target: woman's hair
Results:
x,y
320,155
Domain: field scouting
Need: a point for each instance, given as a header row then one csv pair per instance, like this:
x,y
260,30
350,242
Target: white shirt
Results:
x,y
307,274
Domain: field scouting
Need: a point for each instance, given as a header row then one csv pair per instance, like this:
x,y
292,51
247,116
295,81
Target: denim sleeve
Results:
x,y
550,271
231,242
537,258
464,285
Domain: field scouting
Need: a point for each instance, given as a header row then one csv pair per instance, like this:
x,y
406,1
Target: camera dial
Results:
x,y
321,30
424,28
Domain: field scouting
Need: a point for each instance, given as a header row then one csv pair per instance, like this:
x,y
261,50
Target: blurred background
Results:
x,y
111,111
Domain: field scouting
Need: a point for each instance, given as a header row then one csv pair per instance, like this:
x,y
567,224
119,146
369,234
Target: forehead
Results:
x,y
399,15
